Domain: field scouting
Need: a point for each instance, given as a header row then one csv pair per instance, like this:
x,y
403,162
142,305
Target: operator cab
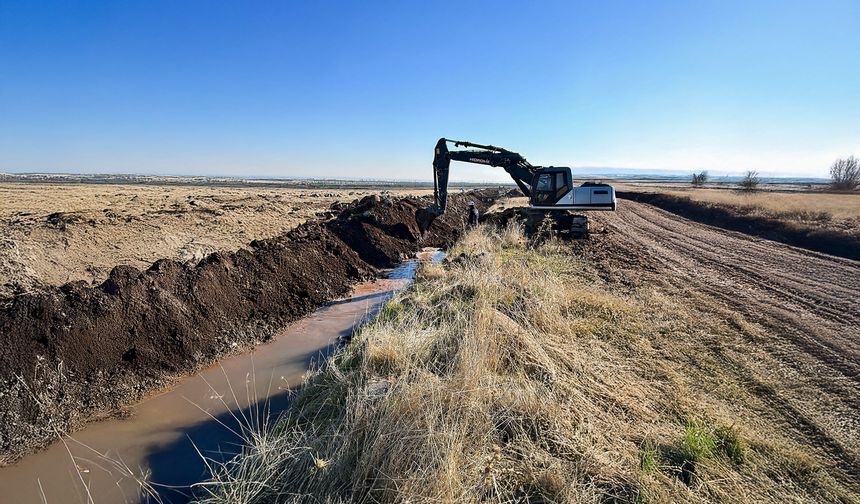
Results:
x,y
550,185
552,188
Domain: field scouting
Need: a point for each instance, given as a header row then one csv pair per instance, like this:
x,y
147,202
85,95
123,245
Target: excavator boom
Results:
x,y
517,167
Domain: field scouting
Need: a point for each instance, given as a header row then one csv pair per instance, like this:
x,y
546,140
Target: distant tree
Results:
x,y
699,179
845,173
750,181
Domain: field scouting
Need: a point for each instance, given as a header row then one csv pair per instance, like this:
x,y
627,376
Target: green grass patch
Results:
x,y
649,457
391,311
698,442
703,441
730,444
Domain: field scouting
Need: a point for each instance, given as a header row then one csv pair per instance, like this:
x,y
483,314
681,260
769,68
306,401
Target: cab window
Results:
x,y
561,187
544,183
544,190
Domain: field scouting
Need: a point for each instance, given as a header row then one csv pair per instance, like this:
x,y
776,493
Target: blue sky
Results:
x,y
364,89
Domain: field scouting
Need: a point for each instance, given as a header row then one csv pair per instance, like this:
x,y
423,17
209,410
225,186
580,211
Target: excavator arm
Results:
x,y
517,167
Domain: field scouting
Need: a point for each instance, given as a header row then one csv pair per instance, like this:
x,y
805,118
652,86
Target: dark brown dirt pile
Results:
x,y
77,350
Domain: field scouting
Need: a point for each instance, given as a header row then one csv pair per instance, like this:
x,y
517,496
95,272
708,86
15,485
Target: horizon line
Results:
x,y
655,174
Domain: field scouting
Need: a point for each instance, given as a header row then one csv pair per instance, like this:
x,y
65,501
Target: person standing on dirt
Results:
x,y
472,217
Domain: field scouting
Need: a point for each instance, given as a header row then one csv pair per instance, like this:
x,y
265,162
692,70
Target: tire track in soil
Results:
x,y
808,303
820,295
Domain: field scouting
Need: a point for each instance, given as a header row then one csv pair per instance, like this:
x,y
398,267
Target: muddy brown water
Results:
x,y
163,437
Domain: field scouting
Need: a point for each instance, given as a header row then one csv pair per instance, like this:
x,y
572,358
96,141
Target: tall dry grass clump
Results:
x,y
514,374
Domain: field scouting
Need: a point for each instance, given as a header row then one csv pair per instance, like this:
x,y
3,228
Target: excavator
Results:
x,y
550,189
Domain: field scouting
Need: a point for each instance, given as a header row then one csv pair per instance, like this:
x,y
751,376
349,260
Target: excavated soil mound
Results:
x,y
79,350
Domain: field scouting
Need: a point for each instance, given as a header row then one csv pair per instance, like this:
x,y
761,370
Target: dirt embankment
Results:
x,y
842,243
52,234
76,351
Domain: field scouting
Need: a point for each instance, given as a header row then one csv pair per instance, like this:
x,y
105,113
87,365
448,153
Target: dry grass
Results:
x,y
516,375
794,205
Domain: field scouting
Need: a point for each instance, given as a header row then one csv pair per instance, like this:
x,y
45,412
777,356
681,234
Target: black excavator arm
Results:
x,y
517,167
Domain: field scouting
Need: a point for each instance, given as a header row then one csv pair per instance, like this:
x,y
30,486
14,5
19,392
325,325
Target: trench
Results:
x,y
163,437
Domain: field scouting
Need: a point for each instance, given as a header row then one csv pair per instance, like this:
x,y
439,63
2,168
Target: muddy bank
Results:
x,y
828,241
78,351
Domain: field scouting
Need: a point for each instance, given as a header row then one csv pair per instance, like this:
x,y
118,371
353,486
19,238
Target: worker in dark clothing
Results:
x,y
473,216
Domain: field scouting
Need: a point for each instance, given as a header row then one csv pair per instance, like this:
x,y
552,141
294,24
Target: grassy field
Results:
x,y
521,374
837,210
794,203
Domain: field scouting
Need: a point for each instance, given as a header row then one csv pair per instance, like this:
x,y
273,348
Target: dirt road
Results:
x,y
800,311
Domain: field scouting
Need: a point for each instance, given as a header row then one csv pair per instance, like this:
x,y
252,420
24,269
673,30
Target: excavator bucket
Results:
x,y
441,167
425,217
